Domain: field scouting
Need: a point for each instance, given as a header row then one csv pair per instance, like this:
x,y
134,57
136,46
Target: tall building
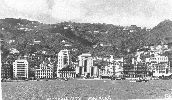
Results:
x,y
118,67
44,71
63,60
86,66
20,69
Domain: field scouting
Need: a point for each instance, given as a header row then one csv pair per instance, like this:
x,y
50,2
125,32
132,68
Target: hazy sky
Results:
x,y
142,13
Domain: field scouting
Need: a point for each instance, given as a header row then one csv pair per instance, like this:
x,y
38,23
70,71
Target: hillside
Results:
x,y
163,32
99,39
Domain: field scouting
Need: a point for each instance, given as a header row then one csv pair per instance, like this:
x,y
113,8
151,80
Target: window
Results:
x,y
85,65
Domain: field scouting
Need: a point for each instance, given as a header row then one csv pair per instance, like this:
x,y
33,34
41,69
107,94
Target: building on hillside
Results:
x,y
20,69
160,49
138,56
63,60
45,71
13,51
158,59
86,67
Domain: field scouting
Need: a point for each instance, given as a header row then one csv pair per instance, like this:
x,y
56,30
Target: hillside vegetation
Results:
x,y
99,39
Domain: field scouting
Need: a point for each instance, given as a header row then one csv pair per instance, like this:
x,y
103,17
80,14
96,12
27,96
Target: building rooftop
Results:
x,y
85,54
67,68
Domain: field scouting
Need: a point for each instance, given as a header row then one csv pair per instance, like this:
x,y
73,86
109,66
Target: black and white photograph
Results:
x,y
86,49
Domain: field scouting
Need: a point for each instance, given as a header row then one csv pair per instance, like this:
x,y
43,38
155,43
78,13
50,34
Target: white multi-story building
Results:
x,y
20,68
118,66
159,65
86,66
108,69
63,60
44,71
160,49
158,59
114,67
161,69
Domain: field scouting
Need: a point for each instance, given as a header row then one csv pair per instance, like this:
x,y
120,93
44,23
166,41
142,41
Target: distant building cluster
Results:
x,y
149,61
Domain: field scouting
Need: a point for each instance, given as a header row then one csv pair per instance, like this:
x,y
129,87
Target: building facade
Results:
x,y
141,70
6,71
158,59
20,69
118,67
45,71
86,67
63,60
107,70
159,65
161,69
67,72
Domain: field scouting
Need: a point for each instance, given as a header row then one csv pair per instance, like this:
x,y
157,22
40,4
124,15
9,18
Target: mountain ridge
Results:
x,y
100,39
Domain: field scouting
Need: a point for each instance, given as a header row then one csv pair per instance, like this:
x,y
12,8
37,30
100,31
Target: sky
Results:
x,y
143,13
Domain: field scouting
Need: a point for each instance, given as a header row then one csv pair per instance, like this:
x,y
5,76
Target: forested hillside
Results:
x,y
99,39
163,31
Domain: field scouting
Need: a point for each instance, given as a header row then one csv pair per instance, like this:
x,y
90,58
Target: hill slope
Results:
x,y
99,39
161,32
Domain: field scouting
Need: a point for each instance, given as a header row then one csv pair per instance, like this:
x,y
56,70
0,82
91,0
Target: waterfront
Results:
x,y
116,89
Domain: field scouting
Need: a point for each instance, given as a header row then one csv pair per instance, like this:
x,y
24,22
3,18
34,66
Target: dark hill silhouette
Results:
x,y
161,32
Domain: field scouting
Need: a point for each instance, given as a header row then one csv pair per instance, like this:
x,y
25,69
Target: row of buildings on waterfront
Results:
x,y
151,61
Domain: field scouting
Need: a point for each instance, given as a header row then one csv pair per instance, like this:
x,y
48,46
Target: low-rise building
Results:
x,y
161,69
108,69
138,68
159,65
114,66
158,59
141,70
67,72
45,70
6,71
